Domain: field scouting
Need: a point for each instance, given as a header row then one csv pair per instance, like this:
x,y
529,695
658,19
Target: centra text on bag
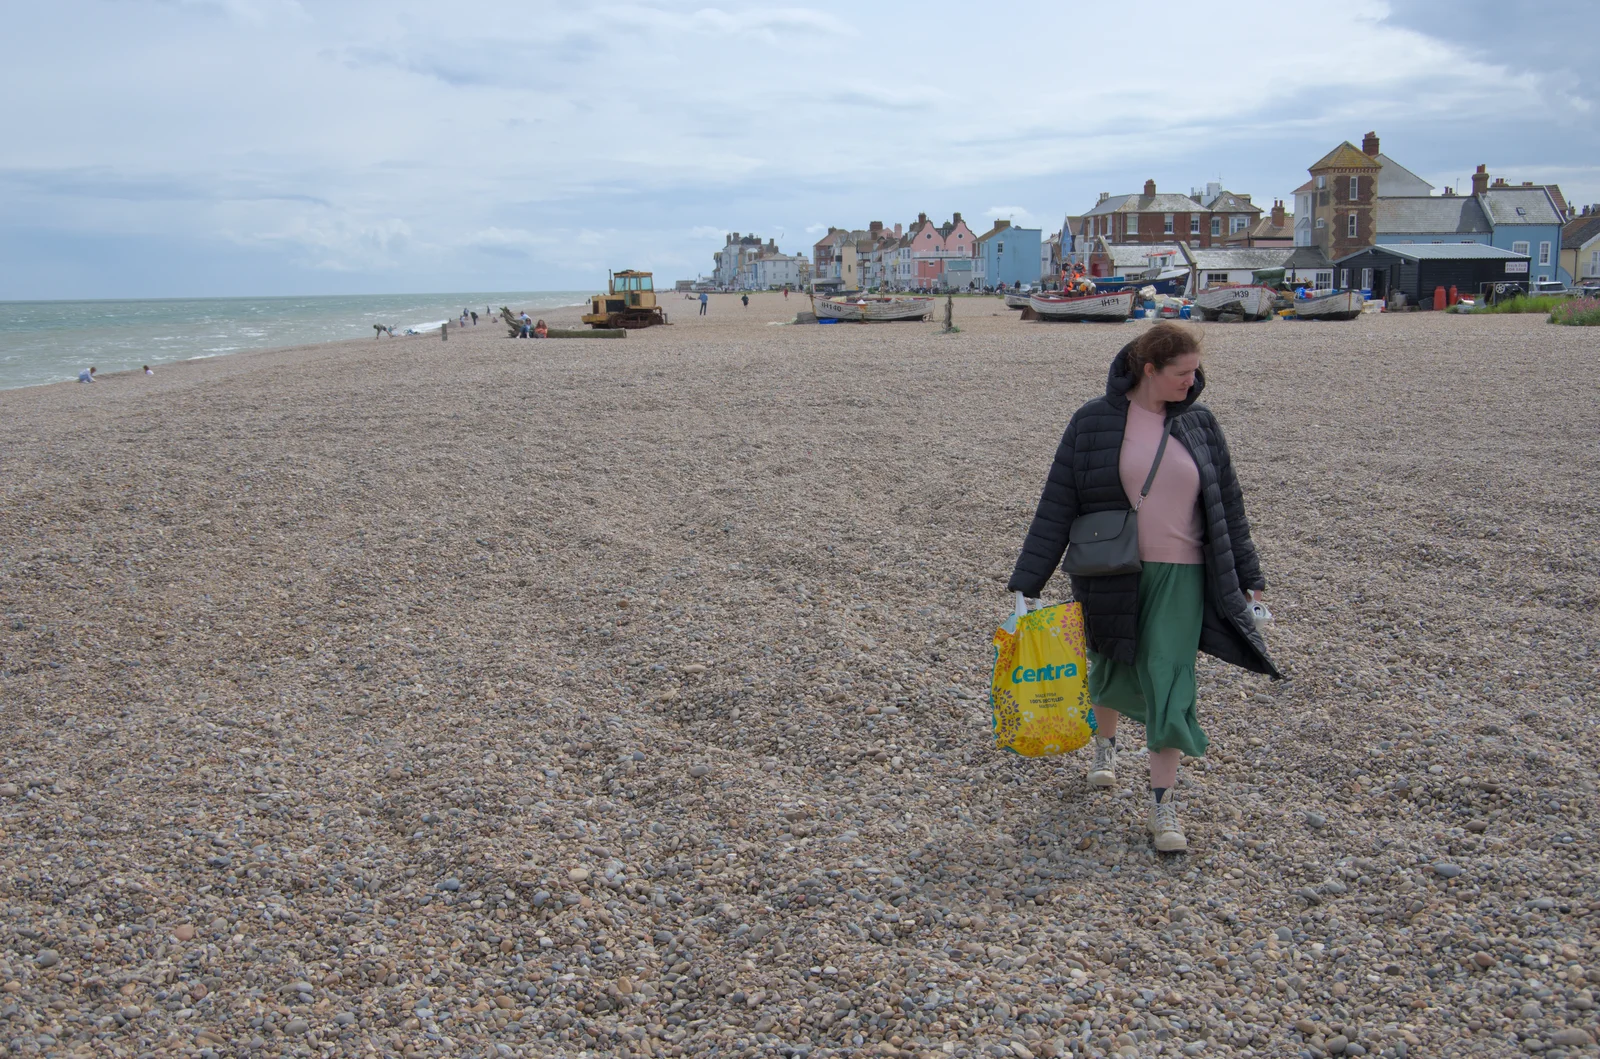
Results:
x,y
1022,675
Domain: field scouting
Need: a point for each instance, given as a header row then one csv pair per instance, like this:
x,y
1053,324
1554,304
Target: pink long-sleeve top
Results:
x,y
1169,520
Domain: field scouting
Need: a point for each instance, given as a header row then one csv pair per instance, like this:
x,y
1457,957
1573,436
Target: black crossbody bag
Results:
x,y
1107,542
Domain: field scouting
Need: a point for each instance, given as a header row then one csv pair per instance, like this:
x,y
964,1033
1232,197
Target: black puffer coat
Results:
x,y
1085,478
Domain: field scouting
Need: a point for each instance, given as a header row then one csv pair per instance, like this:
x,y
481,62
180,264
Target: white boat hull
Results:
x,y
875,310
1017,301
1250,302
1342,305
1114,306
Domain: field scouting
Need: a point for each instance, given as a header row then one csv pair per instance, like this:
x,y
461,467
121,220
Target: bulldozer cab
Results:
x,y
629,301
637,289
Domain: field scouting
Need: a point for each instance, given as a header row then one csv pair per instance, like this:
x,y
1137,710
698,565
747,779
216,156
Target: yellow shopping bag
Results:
x,y
1040,689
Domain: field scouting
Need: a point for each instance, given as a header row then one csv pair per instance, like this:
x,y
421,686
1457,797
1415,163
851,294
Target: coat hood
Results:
x,y
1119,380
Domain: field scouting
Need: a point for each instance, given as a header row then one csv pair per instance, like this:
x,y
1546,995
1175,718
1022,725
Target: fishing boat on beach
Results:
x,y
873,308
1017,300
1115,306
1334,305
1249,301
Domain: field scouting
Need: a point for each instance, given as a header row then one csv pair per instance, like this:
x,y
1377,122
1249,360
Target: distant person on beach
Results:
x,y
147,370
474,318
541,330
1198,572
86,375
704,301
746,299
527,325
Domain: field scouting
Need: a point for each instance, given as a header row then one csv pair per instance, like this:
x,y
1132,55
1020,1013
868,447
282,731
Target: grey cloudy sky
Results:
x,y
214,147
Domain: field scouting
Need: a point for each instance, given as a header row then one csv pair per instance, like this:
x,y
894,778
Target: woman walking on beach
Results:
x,y
1197,559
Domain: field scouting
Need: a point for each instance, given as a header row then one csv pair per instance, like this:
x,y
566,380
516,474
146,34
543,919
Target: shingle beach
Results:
x,y
492,697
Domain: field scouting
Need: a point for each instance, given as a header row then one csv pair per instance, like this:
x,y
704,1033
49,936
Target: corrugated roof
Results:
x,y
1235,258
1580,230
1502,206
1128,255
1443,252
1345,156
1430,215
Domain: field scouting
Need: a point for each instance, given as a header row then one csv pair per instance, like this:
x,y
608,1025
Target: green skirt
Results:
x,y
1159,690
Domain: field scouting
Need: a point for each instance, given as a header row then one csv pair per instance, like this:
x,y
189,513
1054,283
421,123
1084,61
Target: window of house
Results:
x,y
1355,189
1352,226
1166,224
1213,278
1238,223
1344,278
1322,182
1322,222
1544,253
1133,224
1519,248
1216,226
1194,225
1594,262
1366,279
1324,280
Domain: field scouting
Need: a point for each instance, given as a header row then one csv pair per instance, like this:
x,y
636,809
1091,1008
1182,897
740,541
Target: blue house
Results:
x,y
1009,255
1525,220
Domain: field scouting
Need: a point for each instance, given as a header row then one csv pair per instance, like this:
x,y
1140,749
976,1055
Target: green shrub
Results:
x,y
1544,303
1577,312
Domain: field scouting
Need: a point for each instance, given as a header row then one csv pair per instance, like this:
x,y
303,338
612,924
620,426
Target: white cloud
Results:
x,y
418,140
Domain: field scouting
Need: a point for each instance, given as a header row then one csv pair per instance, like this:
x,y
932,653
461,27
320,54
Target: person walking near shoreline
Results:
x,y
1198,562
703,301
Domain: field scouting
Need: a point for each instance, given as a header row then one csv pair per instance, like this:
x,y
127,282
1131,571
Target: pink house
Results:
x,y
931,246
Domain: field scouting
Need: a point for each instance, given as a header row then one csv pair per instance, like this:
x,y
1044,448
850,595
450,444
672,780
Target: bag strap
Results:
x,y
1166,432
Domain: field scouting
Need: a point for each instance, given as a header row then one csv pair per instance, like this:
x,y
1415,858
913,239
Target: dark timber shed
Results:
x,y
1417,269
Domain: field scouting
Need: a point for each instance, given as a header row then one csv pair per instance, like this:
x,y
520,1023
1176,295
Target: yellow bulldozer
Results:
x,y
629,301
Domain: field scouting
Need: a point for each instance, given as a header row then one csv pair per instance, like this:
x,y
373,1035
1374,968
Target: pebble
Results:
x,y
578,874
1447,871
893,861
47,958
9,790
1336,1045
183,932
1483,959
450,885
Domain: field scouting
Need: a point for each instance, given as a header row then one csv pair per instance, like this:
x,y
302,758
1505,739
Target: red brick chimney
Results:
x,y
1499,182
1150,188
1369,145
1480,180
1277,213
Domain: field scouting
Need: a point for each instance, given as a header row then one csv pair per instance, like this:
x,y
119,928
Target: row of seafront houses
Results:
x,y
921,256
1361,220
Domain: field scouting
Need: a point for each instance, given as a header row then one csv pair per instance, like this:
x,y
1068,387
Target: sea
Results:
x,y
42,342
